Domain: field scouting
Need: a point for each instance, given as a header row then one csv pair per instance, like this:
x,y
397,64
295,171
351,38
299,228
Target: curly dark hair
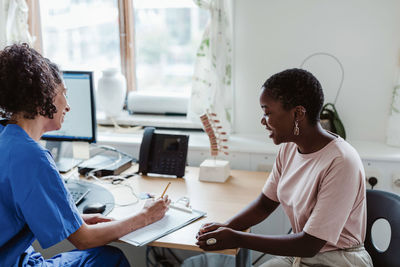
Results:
x,y
297,87
28,82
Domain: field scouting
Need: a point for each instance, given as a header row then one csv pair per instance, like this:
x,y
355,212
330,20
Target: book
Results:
x,y
173,220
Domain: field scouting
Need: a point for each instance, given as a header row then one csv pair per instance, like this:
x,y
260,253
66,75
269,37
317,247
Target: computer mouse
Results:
x,y
94,208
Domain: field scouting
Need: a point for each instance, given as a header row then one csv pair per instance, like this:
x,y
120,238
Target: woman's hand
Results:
x,y
224,238
95,218
208,227
154,210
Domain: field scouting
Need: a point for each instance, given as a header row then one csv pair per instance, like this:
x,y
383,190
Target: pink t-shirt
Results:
x,y
322,193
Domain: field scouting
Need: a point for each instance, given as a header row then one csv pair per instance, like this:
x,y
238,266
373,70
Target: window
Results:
x,y
81,34
168,34
85,35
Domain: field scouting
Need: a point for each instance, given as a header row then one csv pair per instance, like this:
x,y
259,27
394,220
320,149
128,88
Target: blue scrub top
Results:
x,y
34,203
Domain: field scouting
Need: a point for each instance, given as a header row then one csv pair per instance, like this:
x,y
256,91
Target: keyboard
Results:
x,y
78,191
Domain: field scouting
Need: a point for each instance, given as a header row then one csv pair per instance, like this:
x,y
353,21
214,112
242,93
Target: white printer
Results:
x,y
158,102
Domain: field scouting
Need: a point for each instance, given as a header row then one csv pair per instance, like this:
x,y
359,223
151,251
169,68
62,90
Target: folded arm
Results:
x,y
297,245
231,235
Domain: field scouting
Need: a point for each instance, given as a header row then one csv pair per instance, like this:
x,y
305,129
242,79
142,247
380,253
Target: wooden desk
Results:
x,y
220,200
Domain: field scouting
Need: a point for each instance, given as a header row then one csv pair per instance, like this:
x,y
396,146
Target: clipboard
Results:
x,y
173,220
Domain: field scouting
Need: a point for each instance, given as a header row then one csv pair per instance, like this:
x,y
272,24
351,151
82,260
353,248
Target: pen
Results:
x,y
165,189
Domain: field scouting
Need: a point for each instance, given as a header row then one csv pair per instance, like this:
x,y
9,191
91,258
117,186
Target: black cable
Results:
x,y
147,256
174,255
259,258
372,181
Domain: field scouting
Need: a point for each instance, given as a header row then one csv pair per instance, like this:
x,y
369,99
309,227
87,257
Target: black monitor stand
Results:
x,y
64,164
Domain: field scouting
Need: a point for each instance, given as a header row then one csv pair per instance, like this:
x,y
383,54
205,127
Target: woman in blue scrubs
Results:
x,y
34,203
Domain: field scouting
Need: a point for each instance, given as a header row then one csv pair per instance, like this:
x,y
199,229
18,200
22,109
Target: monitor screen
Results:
x,y
80,122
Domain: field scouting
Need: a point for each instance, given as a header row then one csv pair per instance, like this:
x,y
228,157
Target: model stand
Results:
x,y
214,170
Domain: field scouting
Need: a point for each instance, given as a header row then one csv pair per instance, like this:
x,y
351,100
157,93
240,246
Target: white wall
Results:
x,y
273,35
2,24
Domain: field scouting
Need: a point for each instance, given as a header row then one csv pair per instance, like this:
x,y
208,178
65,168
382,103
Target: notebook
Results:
x,y
173,220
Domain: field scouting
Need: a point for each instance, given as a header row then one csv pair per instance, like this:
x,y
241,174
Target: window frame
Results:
x,y
128,62
126,26
34,24
127,42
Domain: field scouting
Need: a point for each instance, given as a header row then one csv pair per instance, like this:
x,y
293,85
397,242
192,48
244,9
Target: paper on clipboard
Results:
x,y
173,220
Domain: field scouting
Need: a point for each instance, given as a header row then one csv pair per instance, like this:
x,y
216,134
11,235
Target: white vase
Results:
x,y
111,91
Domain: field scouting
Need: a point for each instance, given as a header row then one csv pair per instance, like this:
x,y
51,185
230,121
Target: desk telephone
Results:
x,y
163,153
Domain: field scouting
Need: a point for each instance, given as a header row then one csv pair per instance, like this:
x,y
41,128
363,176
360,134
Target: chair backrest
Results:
x,y
386,205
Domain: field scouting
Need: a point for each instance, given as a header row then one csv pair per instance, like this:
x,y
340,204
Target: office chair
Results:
x,y
386,205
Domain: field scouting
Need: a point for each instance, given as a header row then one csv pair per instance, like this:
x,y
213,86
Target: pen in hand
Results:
x,y
165,190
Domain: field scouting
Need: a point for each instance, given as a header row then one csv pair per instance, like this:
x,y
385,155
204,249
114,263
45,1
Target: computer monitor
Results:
x,y
80,122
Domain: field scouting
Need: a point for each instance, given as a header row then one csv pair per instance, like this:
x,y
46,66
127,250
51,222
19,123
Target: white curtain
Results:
x,y
14,23
393,129
212,79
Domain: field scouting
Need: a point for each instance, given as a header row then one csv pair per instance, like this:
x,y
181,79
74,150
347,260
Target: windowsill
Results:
x,y
155,120
197,141
376,151
245,143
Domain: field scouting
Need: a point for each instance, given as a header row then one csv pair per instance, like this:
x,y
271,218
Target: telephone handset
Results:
x,y
163,153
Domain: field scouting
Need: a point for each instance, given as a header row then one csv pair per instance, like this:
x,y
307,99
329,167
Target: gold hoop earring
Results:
x,y
296,130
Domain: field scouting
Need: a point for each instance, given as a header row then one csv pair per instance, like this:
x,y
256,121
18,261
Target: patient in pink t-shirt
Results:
x,y
322,193
318,178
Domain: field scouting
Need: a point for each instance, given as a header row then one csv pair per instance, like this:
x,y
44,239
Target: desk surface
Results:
x,y
220,200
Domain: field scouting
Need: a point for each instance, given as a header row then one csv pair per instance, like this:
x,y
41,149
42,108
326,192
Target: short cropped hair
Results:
x,y
297,87
28,82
